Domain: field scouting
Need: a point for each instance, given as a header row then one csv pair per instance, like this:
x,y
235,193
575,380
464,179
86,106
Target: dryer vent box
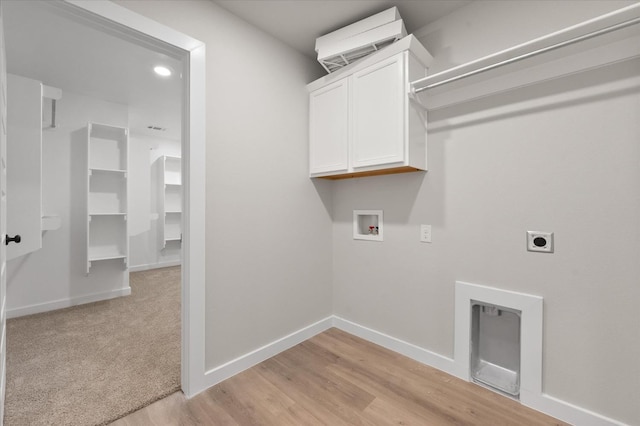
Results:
x,y
495,347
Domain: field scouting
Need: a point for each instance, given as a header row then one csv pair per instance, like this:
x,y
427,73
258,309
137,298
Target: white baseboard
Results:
x,y
244,362
65,303
158,265
544,403
410,350
567,412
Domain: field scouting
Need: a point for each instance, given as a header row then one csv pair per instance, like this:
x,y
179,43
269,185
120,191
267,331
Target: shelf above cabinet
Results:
x,y
108,214
100,170
104,253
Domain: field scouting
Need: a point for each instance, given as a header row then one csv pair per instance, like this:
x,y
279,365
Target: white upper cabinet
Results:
x,y
362,121
378,114
329,128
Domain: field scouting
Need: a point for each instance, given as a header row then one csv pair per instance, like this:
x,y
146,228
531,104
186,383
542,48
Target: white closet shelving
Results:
x,y
170,200
107,163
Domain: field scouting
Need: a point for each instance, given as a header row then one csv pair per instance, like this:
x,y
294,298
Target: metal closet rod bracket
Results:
x,y
54,94
413,97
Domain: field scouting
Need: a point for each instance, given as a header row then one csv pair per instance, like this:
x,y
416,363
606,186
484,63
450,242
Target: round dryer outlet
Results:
x,y
540,241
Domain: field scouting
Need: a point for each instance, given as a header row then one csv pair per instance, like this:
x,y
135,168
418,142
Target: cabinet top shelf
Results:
x,y
105,131
96,257
102,170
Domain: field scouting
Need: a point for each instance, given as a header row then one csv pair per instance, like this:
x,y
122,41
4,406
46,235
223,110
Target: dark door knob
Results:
x,y
15,239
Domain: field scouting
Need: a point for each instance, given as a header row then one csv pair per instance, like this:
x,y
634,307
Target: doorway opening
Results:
x,y
188,54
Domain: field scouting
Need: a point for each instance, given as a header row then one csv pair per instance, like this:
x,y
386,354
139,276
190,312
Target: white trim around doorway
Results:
x,y
115,18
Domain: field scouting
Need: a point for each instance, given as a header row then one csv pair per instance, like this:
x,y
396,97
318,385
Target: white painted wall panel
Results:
x,y
561,156
268,225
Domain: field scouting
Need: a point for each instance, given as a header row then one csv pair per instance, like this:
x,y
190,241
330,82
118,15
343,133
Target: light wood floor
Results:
x,y
338,379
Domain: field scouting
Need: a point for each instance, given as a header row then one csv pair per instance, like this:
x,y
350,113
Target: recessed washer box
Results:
x,y
368,225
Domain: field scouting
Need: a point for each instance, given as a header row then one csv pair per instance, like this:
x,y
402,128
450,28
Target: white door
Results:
x,y
24,176
3,212
378,114
329,129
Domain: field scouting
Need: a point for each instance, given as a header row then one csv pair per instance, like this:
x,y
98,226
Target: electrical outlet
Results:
x,y
540,241
425,233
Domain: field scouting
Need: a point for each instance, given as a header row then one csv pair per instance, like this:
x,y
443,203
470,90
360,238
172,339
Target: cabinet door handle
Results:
x,y
15,239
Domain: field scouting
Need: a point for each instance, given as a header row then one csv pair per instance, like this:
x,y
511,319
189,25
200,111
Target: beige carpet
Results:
x,y
94,363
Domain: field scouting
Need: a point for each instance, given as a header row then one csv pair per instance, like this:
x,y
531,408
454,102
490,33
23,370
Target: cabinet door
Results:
x,y
378,114
329,129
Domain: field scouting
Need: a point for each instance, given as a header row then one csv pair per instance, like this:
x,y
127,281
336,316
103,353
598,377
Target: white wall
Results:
x,y
55,276
144,223
268,230
561,156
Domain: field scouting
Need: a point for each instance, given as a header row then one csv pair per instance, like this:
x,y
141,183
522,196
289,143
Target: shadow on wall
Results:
x,y
323,188
434,43
564,85
396,195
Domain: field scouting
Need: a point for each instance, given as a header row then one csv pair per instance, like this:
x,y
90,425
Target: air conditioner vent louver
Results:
x,y
336,62
347,45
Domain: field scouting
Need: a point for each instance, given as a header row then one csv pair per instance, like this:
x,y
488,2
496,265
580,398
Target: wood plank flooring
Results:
x,y
335,379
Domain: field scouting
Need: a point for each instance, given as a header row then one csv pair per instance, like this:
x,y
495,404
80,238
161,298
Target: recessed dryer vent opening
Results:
x,y
498,340
495,347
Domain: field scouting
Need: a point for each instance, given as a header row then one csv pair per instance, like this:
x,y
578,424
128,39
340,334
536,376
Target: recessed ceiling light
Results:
x,y
162,71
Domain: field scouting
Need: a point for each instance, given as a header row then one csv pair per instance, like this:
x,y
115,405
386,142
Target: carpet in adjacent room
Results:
x,y
94,363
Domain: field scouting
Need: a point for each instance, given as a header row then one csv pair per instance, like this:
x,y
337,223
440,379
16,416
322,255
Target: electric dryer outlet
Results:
x,y
540,241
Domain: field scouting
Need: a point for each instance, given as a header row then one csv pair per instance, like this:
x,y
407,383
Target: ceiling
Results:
x,y
298,23
48,45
